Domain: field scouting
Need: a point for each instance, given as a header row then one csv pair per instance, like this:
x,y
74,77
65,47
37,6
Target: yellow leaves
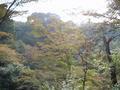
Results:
x,y
63,35
4,35
77,71
31,52
8,55
45,74
27,72
60,38
2,10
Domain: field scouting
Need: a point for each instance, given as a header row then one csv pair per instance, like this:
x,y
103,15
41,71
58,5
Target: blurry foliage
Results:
x,y
46,53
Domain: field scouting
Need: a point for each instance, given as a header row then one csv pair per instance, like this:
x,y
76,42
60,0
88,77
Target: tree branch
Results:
x,y
110,39
7,12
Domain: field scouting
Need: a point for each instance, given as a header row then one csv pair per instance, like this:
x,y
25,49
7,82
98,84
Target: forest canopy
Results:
x,y
47,53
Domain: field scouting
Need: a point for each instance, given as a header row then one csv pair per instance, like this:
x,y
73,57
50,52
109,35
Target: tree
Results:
x,y
110,31
53,54
7,9
13,72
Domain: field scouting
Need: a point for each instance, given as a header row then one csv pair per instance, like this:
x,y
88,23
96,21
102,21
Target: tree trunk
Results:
x,y
85,75
112,66
84,80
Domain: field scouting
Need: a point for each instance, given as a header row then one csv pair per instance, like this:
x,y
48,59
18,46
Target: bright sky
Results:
x,y
64,8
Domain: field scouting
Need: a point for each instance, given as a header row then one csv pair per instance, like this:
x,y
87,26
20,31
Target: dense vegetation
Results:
x,y
46,53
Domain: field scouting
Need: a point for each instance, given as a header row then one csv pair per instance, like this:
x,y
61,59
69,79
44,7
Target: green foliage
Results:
x,y
116,87
13,73
53,55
